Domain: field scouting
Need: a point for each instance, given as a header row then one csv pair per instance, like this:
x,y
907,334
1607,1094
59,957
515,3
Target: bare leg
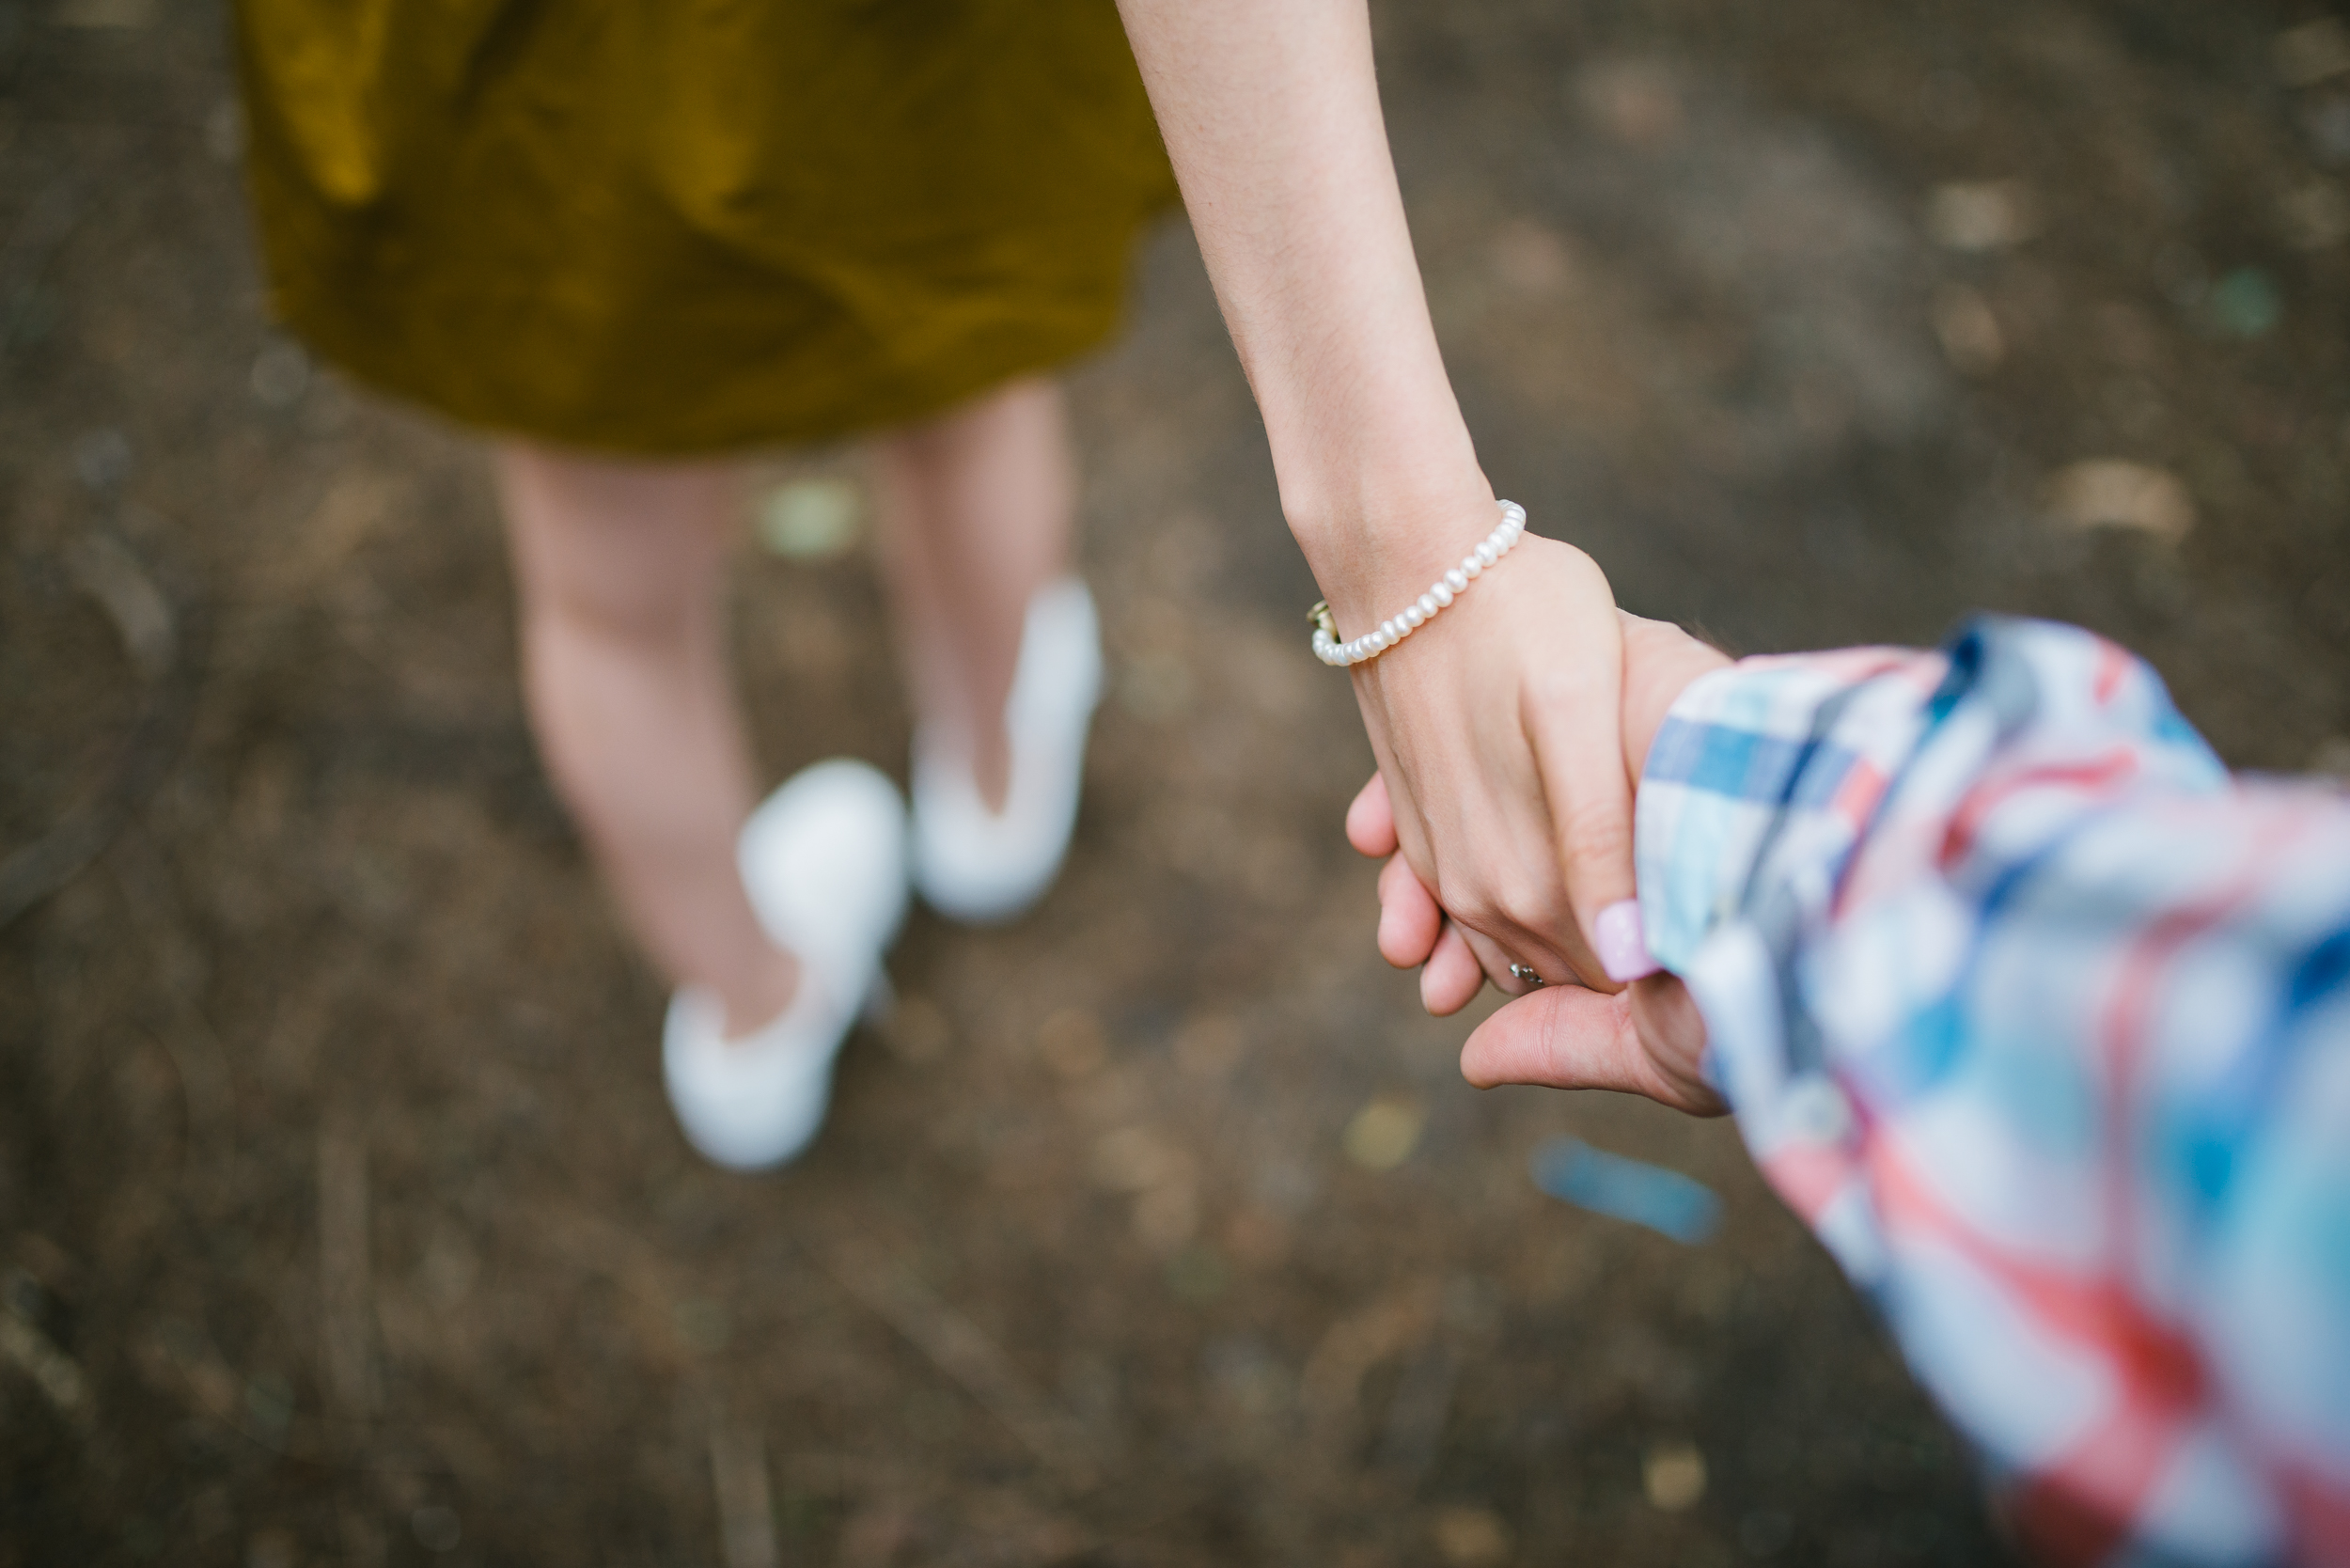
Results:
x,y
976,510
624,672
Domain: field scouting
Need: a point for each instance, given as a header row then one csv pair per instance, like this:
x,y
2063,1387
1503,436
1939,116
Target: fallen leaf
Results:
x,y
1384,1134
917,1030
1673,1476
810,519
1072,1044
1472,1537
1982,215
1970,335
2246,304
2318,216
1135,1159
2307,54
2107,493
1532,259
104,13
1635,102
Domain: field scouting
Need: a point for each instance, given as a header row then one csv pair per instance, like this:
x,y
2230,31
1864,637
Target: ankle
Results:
x,y
758,997
984,747
991,767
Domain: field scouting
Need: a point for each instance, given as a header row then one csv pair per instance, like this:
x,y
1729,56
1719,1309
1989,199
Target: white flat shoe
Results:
x,y
977,864
824,862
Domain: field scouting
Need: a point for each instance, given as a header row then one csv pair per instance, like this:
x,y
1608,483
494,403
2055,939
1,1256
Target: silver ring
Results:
x,y
1525,975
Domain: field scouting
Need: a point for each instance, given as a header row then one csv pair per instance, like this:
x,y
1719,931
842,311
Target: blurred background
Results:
x,y
342,1219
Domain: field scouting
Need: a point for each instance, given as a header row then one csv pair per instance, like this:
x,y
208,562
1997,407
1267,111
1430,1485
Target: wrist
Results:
x,y
1376,543
1660,662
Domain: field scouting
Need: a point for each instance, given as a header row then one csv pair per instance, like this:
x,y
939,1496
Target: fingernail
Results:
x,y
1622,951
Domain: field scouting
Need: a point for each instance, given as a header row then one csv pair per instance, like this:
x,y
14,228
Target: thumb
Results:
x,y
1648,1041
1558,1037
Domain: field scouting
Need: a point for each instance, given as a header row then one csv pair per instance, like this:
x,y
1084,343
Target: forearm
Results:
x,y
1271,115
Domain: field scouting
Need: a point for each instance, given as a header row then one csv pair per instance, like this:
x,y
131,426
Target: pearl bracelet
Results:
x,y
1442,592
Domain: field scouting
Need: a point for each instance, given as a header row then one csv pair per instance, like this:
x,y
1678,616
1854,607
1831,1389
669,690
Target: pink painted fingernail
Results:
x,y
1622,951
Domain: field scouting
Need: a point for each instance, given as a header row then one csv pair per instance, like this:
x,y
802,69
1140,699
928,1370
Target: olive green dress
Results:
x,y
677,226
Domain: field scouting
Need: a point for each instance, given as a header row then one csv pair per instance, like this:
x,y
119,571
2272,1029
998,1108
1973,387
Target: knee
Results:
x,y
622,553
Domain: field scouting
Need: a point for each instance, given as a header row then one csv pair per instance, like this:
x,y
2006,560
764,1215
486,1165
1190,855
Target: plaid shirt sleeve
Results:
x,y
2043,1023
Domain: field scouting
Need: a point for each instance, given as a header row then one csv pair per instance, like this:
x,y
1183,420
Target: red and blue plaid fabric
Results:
x,y
2043,1023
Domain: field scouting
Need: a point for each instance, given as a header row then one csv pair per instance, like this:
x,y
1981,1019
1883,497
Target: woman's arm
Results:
x,y
1495,725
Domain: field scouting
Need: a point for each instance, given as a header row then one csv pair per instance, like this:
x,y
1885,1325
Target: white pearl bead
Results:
x,y
1440,594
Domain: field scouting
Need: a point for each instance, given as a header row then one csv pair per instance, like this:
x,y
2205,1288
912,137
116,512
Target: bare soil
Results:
x,y
341,1215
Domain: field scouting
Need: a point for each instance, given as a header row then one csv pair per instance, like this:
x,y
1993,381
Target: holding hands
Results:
x,y
1647,1038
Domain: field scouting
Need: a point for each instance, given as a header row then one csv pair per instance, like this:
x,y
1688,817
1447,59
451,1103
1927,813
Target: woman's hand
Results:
x,y
1649,1040
1498,728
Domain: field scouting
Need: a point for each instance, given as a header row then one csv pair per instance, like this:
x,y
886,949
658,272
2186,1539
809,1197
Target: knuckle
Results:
x,y
1556,686
1595,828
1525,898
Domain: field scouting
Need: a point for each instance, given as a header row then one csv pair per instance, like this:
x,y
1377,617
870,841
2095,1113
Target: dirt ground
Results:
x,y
341,1215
